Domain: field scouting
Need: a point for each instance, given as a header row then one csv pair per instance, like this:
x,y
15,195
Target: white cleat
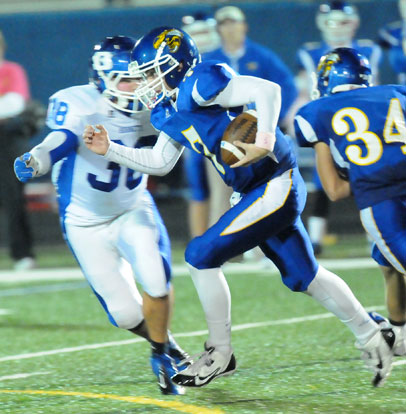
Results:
x,y
210,365
377,355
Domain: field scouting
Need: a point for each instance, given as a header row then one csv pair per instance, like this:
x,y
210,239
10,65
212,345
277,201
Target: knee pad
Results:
x,y
126,319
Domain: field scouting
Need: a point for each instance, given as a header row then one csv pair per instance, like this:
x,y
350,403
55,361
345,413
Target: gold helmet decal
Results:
x,y
172,38
326,62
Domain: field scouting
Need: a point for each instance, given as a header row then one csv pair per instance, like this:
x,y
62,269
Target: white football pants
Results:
x,y
135,237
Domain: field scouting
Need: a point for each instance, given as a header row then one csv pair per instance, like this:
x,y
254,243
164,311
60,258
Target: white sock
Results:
x,y
215,297
317,227
335,295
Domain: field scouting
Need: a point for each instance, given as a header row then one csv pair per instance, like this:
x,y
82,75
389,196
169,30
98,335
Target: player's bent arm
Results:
x,y
39,160
335,187
243,90
56,145
158,160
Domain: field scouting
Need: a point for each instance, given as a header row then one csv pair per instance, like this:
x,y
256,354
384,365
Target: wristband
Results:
x,y
265,140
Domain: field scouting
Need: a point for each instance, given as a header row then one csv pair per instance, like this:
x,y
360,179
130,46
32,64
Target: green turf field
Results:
x,y
289,359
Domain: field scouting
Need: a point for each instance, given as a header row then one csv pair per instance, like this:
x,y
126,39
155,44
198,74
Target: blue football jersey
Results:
x,y
201,128
393,36
365,130
308,56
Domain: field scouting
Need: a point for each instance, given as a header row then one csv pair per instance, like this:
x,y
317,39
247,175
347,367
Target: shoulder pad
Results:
x,y
82,99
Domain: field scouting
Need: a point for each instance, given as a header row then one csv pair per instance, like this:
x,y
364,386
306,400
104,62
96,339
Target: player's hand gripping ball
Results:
x,y
243,128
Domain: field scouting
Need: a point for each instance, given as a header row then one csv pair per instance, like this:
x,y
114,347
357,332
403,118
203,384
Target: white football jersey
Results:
x,y
91,189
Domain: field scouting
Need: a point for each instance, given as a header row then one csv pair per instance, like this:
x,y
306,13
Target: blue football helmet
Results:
x,y
338,22
339,70
160,60
109,67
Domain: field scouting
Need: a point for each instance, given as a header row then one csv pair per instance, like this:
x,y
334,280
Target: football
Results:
x,y
242,128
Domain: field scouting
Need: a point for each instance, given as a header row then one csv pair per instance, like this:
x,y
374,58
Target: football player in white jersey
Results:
x,y
106,212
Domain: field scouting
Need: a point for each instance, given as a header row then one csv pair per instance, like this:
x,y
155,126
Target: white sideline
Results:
x,y
23,375
178,335
10,276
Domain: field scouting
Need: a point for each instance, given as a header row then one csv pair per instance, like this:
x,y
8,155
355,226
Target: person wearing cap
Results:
x,y
250,58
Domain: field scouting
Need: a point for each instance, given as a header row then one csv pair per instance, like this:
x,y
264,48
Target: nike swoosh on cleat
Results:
x,y
204,380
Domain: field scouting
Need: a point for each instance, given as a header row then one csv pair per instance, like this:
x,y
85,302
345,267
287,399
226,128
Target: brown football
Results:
x,y
242,128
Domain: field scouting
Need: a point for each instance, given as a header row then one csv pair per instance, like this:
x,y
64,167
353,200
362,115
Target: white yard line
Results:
x,y
23,375
401,362
5,311
10,276
241,327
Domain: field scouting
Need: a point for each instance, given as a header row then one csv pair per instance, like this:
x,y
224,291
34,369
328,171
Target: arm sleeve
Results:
x,y
55,146
243,90
158,160
278,72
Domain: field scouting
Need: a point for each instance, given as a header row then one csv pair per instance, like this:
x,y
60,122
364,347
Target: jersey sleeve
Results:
x,y
210,80
66,111
387,37
306,127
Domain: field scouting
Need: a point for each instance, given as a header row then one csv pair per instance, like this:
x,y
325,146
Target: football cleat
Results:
x,y
210,365
399,348
377,355
164,368
181,358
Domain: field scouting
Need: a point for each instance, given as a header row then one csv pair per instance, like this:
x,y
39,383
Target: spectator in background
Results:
x,y
393,37
14,95
208,194
338,23
247,58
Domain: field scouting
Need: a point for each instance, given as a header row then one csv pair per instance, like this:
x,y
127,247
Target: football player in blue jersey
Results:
x,y
358,133
103,206
247,58
193,103
338,22
393,37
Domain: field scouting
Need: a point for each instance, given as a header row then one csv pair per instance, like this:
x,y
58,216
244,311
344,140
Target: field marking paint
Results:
x,y
402,362
8,276
173,405
177,335
5,311
55,287
23,375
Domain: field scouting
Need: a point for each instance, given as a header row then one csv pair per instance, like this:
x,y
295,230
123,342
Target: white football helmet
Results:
x,y
338,22
203,31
